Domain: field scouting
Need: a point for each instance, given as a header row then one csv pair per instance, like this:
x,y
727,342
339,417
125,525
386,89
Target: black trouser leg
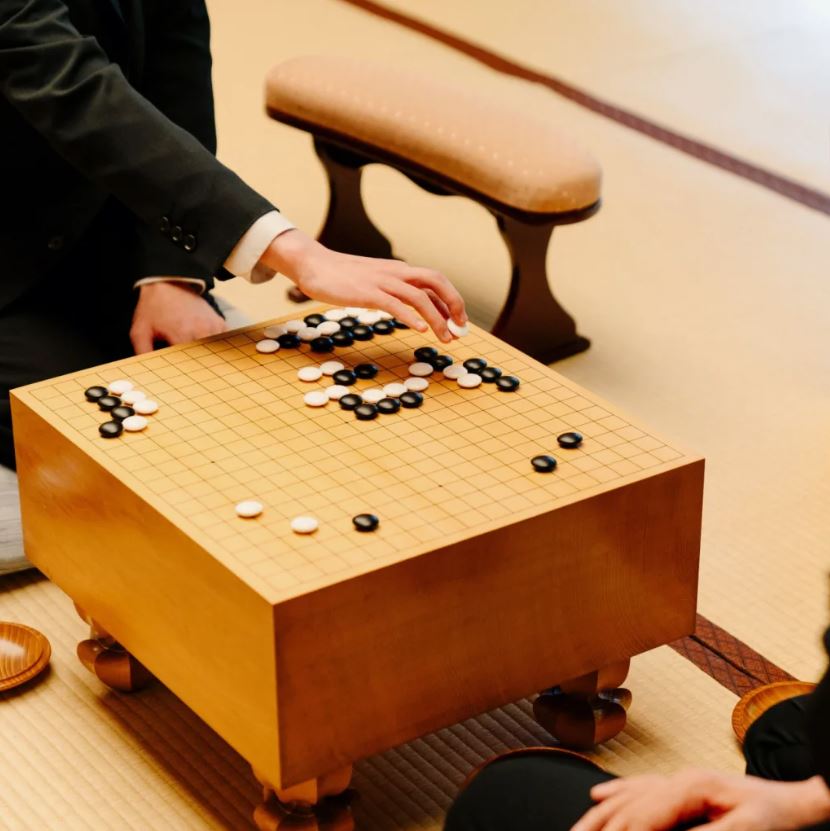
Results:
x,y
777,745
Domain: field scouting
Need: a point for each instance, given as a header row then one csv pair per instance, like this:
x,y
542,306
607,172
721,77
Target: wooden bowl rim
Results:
x,y
36,666
740,715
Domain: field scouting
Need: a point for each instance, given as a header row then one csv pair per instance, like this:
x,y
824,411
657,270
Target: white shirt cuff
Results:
x,y
243,260
194,281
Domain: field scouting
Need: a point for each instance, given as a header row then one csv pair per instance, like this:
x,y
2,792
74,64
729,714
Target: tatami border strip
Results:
x,y
782,185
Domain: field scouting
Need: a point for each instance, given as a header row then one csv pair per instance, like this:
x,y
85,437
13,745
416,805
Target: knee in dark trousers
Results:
x,y
777,745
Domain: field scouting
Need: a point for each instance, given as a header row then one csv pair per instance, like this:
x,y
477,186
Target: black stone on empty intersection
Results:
x,y
110,429
440,362
365,371
322,344
361,332
543,464
344,377
94,393
288,341
313,320
365,412
350,401
387,406
490,374
108,402
383,327
121,412
570,440
411,399
507,383
426,354
475,365
342,339
365,522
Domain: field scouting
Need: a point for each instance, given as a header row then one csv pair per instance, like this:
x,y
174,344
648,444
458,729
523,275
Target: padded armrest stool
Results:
x,y
449,141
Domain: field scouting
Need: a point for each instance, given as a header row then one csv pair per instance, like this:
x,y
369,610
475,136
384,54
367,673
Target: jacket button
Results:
x,y
189,243
164,225
55,243
176,234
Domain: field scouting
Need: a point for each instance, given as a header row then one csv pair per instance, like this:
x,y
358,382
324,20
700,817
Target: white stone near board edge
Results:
x,y
267,346
316,398
249,508
308,333
336,391
454,371
458,331
132,396
469,381
304,524
309,373
274,331
420,369
145,407
330,367
134,423
120,387
416,384
328,327
335,314
293,326
373,395
394,390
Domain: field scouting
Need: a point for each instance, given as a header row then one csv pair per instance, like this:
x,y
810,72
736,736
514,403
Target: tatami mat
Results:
x,y
78,756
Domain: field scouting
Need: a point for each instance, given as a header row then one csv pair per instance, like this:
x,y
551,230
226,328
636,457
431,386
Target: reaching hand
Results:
x,y
172,313
729,802
416,296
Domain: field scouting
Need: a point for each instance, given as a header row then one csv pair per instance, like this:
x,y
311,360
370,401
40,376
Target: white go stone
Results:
x,y
385,316
267,346
249,509
120,387
274,331
336,391
354,311
373,395
458,331
330,367
328,327
469,381
335,314
134,423
394,390
454,371
416,384
145,406
304,525
132,396
420,368
309,373
294,326
308,333
369,318
316,398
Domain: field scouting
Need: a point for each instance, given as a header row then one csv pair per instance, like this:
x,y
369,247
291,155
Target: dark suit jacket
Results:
x,y
112,98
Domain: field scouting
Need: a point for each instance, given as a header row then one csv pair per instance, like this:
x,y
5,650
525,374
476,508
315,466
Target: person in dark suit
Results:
x,y
116,215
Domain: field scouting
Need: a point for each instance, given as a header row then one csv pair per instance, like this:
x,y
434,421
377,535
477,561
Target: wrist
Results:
x,y
813,802
289,254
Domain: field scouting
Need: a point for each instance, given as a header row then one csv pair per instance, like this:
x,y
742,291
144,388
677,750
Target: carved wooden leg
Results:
x,y
347,227
102,655
310,806
532,320
588,710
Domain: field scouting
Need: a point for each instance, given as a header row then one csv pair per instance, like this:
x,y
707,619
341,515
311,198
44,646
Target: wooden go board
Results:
x,y
141,530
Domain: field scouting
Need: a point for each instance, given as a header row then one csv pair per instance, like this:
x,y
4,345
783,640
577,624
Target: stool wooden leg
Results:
x,y
588,710
532,320
310,806
102,655
347,226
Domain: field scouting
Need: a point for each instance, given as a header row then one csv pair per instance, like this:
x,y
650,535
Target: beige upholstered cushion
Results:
x,y
513,157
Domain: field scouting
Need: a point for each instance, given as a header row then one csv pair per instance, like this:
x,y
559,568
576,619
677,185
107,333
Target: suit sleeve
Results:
x,y
819,715
64,85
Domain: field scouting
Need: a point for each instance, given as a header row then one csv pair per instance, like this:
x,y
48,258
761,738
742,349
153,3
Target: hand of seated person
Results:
x,y
413,295
717,801
172,313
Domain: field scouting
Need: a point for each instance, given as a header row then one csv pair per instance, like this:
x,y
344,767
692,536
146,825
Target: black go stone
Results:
x,y
569,440
110,429
313,320
361,332
288,341
388,406
475,365
440,362
365,412
322,344
490,374
342,339
121,412
365,522
411,399
344,377
365,371
543,464
398,324
349,323
383,327
108,402
426,354
507,383
95,393
350,401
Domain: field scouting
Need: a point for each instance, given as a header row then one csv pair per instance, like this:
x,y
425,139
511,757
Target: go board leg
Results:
x,y
310,806
587,710
102,655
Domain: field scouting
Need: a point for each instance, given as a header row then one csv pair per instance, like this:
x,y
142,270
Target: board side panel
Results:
x,y
195,625
384,658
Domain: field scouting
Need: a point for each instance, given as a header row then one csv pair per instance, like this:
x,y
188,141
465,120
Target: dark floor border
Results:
x,y
789,188
729,661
